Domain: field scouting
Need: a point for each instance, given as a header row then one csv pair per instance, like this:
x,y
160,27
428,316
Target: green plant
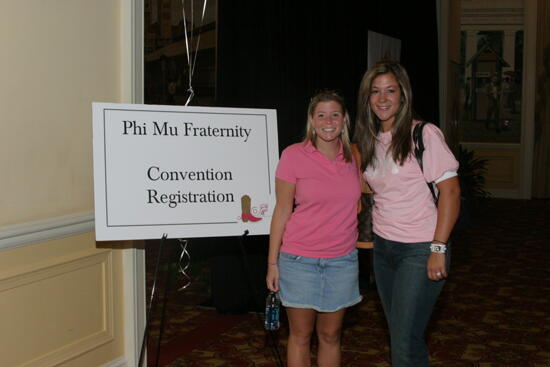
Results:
x,y
471,174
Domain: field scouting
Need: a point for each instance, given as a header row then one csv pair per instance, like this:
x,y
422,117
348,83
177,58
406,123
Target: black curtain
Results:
x,y
277,53
415,24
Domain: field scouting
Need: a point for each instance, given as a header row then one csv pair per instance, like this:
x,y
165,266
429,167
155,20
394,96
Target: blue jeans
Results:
x,y
408,297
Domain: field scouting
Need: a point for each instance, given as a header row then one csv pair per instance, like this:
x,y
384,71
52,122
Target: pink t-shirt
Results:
x,y
324,220
404,209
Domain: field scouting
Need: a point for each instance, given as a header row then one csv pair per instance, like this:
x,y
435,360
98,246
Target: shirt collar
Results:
x,y
310,148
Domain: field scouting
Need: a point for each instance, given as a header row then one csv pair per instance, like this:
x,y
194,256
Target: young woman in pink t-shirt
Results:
x,y
312,258
411,231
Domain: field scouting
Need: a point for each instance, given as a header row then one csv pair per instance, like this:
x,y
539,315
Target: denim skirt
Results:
x,y
322,284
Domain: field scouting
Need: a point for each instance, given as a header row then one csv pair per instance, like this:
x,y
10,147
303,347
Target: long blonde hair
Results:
x,y
368,125
329,96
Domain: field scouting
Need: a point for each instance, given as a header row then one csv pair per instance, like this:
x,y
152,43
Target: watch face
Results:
x,y
434,247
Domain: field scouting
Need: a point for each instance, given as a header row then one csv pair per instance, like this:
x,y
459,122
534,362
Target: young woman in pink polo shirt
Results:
x,y
312,258
411,250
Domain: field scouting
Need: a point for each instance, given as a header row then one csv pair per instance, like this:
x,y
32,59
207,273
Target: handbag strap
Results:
x,y
419,152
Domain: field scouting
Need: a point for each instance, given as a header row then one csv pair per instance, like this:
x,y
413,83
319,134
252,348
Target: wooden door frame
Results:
x,y
526,146
133,259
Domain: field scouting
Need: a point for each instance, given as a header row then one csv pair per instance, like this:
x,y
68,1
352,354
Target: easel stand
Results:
x,y
248,273
167,284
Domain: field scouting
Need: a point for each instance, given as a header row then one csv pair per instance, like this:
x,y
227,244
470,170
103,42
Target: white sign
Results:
x,y
183,171
382,47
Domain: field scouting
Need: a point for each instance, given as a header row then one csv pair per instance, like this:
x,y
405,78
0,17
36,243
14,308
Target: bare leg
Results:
x,y
329,329
301,322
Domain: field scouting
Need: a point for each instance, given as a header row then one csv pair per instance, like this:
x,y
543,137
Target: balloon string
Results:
x,y
186,46
191,60
183,263
199,37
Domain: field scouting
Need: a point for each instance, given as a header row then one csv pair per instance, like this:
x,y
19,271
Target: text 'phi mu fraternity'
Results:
x,y
187,129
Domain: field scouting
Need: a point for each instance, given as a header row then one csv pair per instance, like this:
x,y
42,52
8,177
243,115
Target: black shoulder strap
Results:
x,y
419,143
419,151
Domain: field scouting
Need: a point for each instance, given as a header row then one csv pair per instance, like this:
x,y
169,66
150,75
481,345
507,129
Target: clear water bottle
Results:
x,y
272,307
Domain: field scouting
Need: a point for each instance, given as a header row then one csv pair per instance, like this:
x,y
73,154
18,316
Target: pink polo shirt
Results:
x,y
404,209
324,220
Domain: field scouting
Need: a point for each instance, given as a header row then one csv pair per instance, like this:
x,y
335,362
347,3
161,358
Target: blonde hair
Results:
x,y
329,96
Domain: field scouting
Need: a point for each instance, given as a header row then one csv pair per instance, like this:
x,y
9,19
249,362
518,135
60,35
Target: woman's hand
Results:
x,y
436,266
272,278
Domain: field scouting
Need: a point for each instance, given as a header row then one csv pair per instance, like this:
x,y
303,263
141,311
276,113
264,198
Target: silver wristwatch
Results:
x,y
439,248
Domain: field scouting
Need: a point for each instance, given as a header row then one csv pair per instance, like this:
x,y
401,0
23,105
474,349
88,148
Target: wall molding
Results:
x,y
132,64
29,233
119,362
73,264
528,100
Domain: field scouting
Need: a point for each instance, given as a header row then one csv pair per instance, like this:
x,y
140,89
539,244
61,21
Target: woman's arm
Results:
x,y
284,192
365,189
448,207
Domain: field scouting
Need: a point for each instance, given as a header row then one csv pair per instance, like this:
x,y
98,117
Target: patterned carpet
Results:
x,y
494,310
